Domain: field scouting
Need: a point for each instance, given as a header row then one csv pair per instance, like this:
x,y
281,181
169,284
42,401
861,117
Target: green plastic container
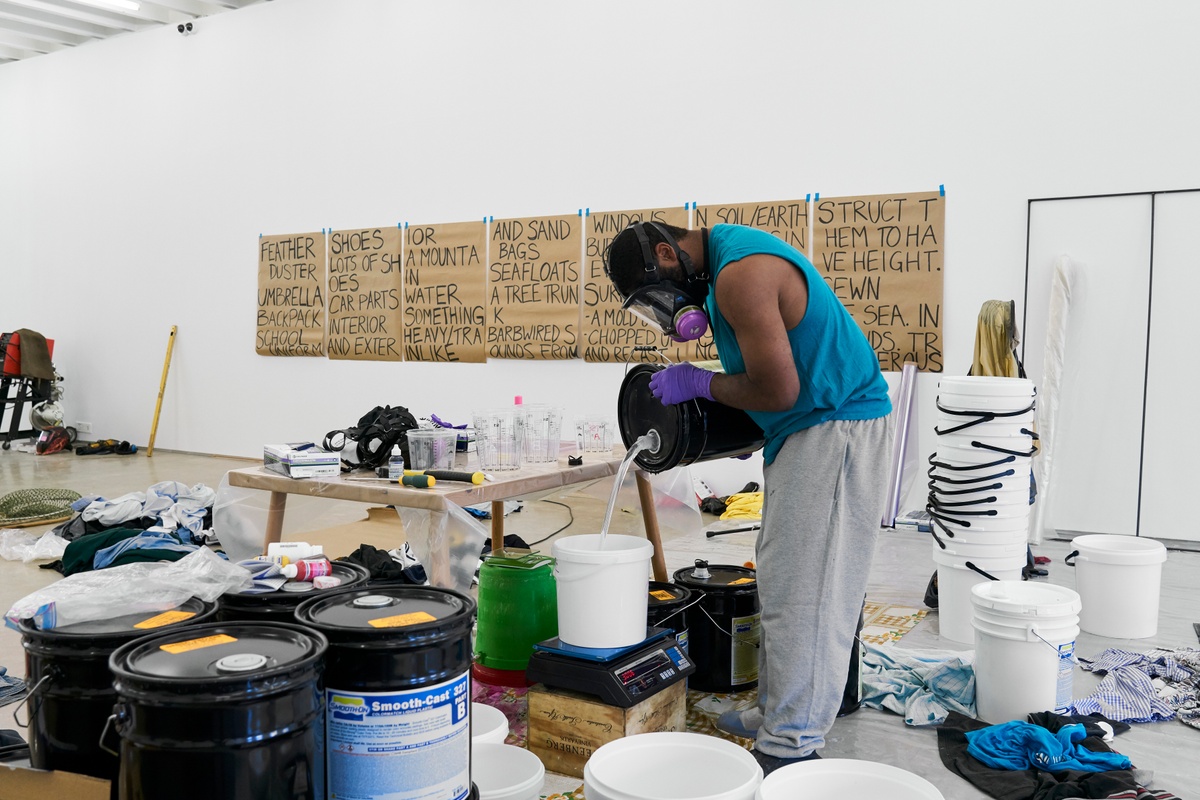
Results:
x,y
518,607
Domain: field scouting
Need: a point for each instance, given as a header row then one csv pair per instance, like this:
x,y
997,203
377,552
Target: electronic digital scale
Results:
x,y
620,676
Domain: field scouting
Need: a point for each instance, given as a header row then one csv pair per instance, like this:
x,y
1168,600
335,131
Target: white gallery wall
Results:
x,y
137,173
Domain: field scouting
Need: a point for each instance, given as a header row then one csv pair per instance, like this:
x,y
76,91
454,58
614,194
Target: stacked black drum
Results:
x,y
979,490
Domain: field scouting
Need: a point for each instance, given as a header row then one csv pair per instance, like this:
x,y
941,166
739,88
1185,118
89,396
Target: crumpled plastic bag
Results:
x,y
18,545
129,589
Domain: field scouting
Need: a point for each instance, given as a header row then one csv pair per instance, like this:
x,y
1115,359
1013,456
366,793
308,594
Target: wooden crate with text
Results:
x,y
565,727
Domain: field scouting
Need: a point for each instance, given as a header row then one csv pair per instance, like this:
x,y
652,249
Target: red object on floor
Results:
x,y
10,365
1041,559
499,677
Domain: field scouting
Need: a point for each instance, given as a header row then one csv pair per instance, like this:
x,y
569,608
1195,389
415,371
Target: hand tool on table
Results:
x,y
418,481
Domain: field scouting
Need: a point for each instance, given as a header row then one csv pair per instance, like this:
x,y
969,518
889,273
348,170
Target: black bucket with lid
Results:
x,y
698,430
281,606
229,710
723,628
71,692
666,608
397,690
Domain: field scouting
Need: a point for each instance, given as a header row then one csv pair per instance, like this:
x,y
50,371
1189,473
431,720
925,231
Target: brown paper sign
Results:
x,y
364,288
882,255
533,287
787,219
445,292
291,304
610,334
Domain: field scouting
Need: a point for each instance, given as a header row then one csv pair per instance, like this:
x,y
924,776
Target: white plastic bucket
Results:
x,y
1024,648
1118,579
602,597
972,536
1015,496
985,393
999,425
983,524
955,580
506,772
488,725
678,766
845,777
965,548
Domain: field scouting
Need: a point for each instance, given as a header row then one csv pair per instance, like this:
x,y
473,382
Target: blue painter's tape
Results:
x,y
587,212
491,219
693,205
808,197
405,226
817,197
942,189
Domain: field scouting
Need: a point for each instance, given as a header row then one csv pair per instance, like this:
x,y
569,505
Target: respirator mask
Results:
x,y
677,310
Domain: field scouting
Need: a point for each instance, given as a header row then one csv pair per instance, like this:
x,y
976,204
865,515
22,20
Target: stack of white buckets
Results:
x,y
979,490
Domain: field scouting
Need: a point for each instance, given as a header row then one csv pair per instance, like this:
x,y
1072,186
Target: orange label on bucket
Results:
x,y
741,580
196,644
662,594
165,618
401,620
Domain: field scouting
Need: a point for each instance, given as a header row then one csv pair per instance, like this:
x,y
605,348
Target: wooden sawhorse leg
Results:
x,y
497,526
275,510
650,519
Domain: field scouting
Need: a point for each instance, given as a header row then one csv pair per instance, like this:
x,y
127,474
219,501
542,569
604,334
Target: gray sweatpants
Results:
x,y
824,496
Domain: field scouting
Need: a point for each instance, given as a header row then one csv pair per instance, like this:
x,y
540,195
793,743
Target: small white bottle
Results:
x,y
395,464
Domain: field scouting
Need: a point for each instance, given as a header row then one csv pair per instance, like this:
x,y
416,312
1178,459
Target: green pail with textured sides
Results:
x,y
518,607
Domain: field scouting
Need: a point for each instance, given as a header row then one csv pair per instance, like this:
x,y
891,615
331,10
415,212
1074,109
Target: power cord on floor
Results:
x,y
560,530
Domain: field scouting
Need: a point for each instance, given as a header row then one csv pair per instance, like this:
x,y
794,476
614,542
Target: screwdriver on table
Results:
x,y
448,475
417,481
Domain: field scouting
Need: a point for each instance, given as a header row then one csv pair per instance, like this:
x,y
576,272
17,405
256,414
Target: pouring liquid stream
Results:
x,y
647,441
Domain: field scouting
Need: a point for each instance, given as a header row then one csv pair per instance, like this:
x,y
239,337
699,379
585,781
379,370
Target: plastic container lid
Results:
x,y
386,610
845,777
721,576
140,624
1109,548
681,766
666,595
1025,599
205,655
488,725
506,772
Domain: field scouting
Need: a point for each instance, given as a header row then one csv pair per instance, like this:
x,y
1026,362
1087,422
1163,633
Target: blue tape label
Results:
x,y
1066,670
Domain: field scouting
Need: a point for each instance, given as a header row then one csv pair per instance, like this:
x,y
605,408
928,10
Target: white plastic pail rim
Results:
x,y
845,777
987,385
488,725
671,766
1109,548
1025,599
585,549
506,772
992,564
963,548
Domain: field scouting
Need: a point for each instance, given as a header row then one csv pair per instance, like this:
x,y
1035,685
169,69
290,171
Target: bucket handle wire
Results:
x,y
118,715
980,417
969,565
1067,560
717,625
679,611
29,695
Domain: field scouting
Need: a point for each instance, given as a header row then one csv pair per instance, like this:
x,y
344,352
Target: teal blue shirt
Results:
x,y
839,372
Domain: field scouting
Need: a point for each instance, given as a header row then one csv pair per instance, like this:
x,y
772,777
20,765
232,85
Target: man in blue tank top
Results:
x,y
795,360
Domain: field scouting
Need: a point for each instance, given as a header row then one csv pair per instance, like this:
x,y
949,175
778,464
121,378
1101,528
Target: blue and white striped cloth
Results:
x,y
11,689
1141,687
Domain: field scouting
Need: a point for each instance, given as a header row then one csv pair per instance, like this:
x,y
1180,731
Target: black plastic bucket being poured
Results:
x,y
71,692
397,691
222,710
698,430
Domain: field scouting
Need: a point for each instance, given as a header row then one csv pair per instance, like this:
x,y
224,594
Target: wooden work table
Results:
x,y
509,485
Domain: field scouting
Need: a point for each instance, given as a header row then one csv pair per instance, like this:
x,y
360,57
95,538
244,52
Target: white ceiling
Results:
x,y
29,28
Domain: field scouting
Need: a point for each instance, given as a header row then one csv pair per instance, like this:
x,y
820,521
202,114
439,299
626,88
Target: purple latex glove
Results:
x,y
679,383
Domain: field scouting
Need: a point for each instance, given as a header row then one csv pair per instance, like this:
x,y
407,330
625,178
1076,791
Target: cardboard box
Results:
x,y
301,460
23,783
565,727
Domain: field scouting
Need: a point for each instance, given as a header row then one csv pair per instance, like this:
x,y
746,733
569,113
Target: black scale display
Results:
x,y
620,676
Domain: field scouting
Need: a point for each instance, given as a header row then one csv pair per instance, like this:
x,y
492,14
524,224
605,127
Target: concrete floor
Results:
x,y
902,567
